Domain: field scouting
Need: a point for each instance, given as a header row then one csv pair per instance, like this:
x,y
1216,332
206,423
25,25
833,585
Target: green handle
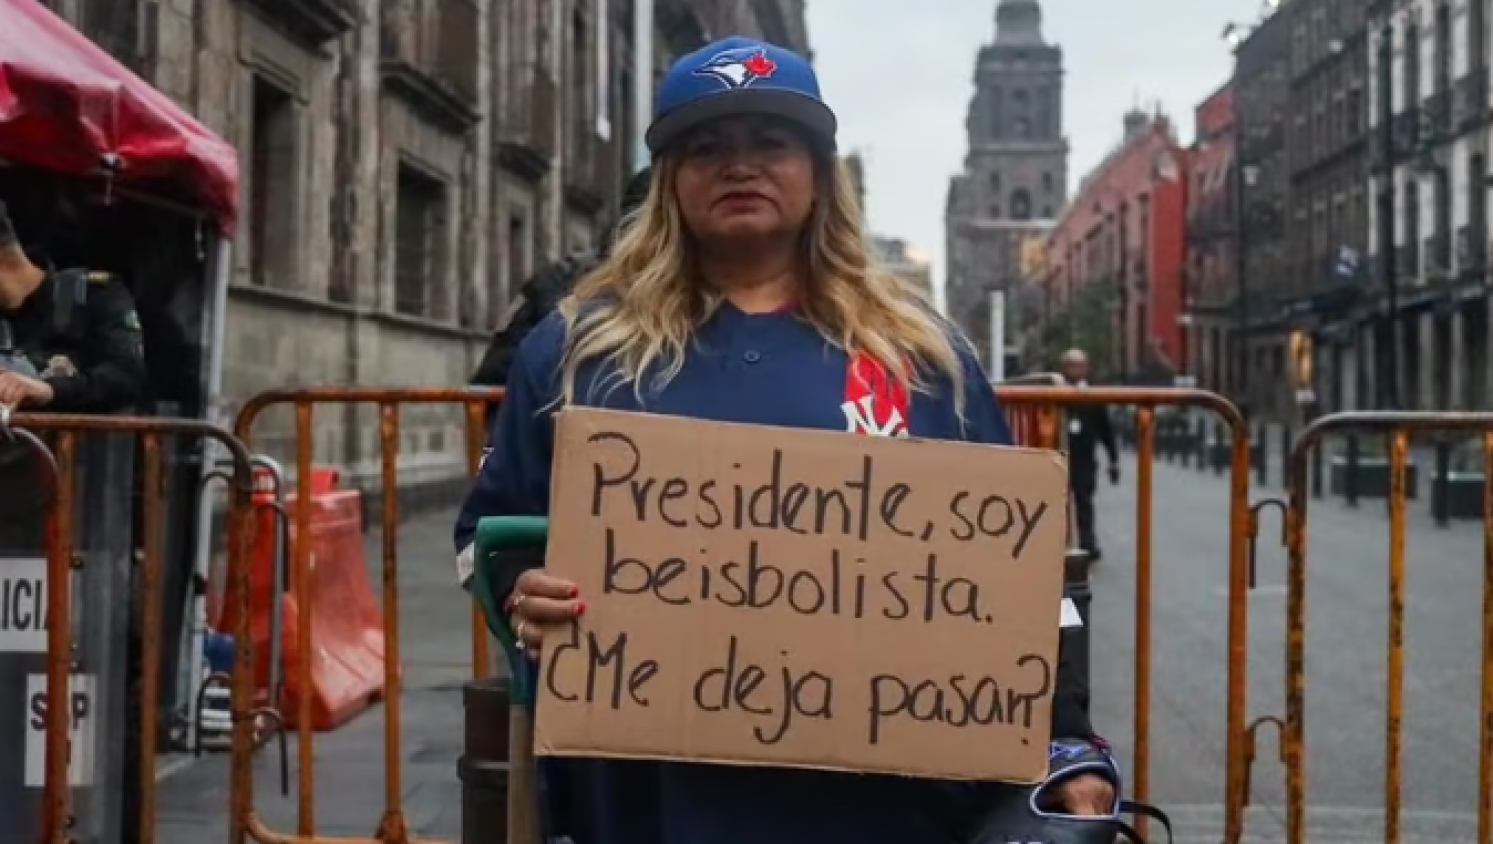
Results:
x,y
495,534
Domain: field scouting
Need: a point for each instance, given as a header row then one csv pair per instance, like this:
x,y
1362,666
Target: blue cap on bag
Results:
x,y
739,76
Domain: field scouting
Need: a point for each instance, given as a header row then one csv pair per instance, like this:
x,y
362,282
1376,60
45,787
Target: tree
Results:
x,y
1087,322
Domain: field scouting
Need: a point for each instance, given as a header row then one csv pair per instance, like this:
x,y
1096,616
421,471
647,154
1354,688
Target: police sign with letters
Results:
x,y
23,606
81,713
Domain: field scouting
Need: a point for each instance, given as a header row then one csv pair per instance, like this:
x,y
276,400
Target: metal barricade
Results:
x,y
245,822
1035,415
59,465
1397,427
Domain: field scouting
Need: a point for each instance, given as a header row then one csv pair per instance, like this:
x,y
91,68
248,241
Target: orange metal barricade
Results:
x,y
393,828
57,473
1397,428
1035,414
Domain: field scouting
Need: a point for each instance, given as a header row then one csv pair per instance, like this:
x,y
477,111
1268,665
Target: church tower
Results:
x,y
1015,178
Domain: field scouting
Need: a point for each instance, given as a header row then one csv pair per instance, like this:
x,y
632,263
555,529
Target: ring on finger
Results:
x,y
518,634
516,601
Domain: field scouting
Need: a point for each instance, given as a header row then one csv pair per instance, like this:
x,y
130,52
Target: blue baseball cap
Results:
x,y
739,76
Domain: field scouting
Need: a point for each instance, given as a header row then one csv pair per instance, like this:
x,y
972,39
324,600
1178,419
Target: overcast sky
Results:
x,y
899,73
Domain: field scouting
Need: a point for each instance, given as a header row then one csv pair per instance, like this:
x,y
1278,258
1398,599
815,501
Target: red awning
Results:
x,y
68,106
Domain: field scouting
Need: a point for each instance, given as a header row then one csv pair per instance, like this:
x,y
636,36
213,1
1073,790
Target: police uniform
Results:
x,y
79,332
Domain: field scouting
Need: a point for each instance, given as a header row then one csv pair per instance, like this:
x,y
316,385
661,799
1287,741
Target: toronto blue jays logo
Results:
x,y
738,68
1065,752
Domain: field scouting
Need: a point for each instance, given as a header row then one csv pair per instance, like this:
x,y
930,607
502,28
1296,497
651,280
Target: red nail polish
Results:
x,y
574,591
580,608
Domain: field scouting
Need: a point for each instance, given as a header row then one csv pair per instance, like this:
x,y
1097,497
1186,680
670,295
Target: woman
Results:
x,y
743,293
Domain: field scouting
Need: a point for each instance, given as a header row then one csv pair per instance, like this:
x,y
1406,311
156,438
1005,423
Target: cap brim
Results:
x,y
808,112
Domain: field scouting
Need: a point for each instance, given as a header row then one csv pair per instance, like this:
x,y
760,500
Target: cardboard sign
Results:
x,y
81,712
765,596
23,605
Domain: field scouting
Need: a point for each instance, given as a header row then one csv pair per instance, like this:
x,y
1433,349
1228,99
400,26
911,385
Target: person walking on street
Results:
x,y
1088,426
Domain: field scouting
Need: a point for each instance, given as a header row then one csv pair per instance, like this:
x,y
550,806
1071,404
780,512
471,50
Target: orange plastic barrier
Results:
x,y
347,671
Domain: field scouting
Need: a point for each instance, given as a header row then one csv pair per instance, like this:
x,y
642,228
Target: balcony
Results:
x,y
1407,260
1436,118
1470,105
1406,127
526,139
1438,252
1472,255
311,22
430,52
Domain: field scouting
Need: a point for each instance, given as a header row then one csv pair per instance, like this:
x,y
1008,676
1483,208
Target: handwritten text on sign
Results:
x,y
763,596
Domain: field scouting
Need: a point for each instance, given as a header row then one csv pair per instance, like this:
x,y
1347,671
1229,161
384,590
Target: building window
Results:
x,y
1021,205
420,241
1021,112
1443,47
272,186
115,25
581,112
1411,75
1411,243
1477,35
518,252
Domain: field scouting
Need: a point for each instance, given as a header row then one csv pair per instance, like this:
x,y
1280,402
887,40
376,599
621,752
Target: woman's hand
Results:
x,y
540,602
1085,794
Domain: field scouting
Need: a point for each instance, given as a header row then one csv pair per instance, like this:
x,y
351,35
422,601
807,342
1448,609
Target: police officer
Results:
x,y
70,341
1088,427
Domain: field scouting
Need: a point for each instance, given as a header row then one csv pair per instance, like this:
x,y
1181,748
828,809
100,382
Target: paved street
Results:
x,y
1346,634
349,774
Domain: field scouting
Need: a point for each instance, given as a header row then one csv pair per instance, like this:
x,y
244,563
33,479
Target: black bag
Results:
x,y
1018,816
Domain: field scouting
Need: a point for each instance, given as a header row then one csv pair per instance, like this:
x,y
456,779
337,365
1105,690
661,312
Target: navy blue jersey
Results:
x,y
769,369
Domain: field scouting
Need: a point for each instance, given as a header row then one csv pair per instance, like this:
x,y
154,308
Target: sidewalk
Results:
x,y
436,647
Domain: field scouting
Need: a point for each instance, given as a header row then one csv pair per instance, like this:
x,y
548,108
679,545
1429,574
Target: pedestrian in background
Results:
x,y
1088,427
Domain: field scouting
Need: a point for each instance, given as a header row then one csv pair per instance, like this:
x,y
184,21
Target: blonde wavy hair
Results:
x,y
639,310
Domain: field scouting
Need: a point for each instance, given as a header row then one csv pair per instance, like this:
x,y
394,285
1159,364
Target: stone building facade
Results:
x,y
1431,180
1113,268
406,164
1015,179
1211,280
